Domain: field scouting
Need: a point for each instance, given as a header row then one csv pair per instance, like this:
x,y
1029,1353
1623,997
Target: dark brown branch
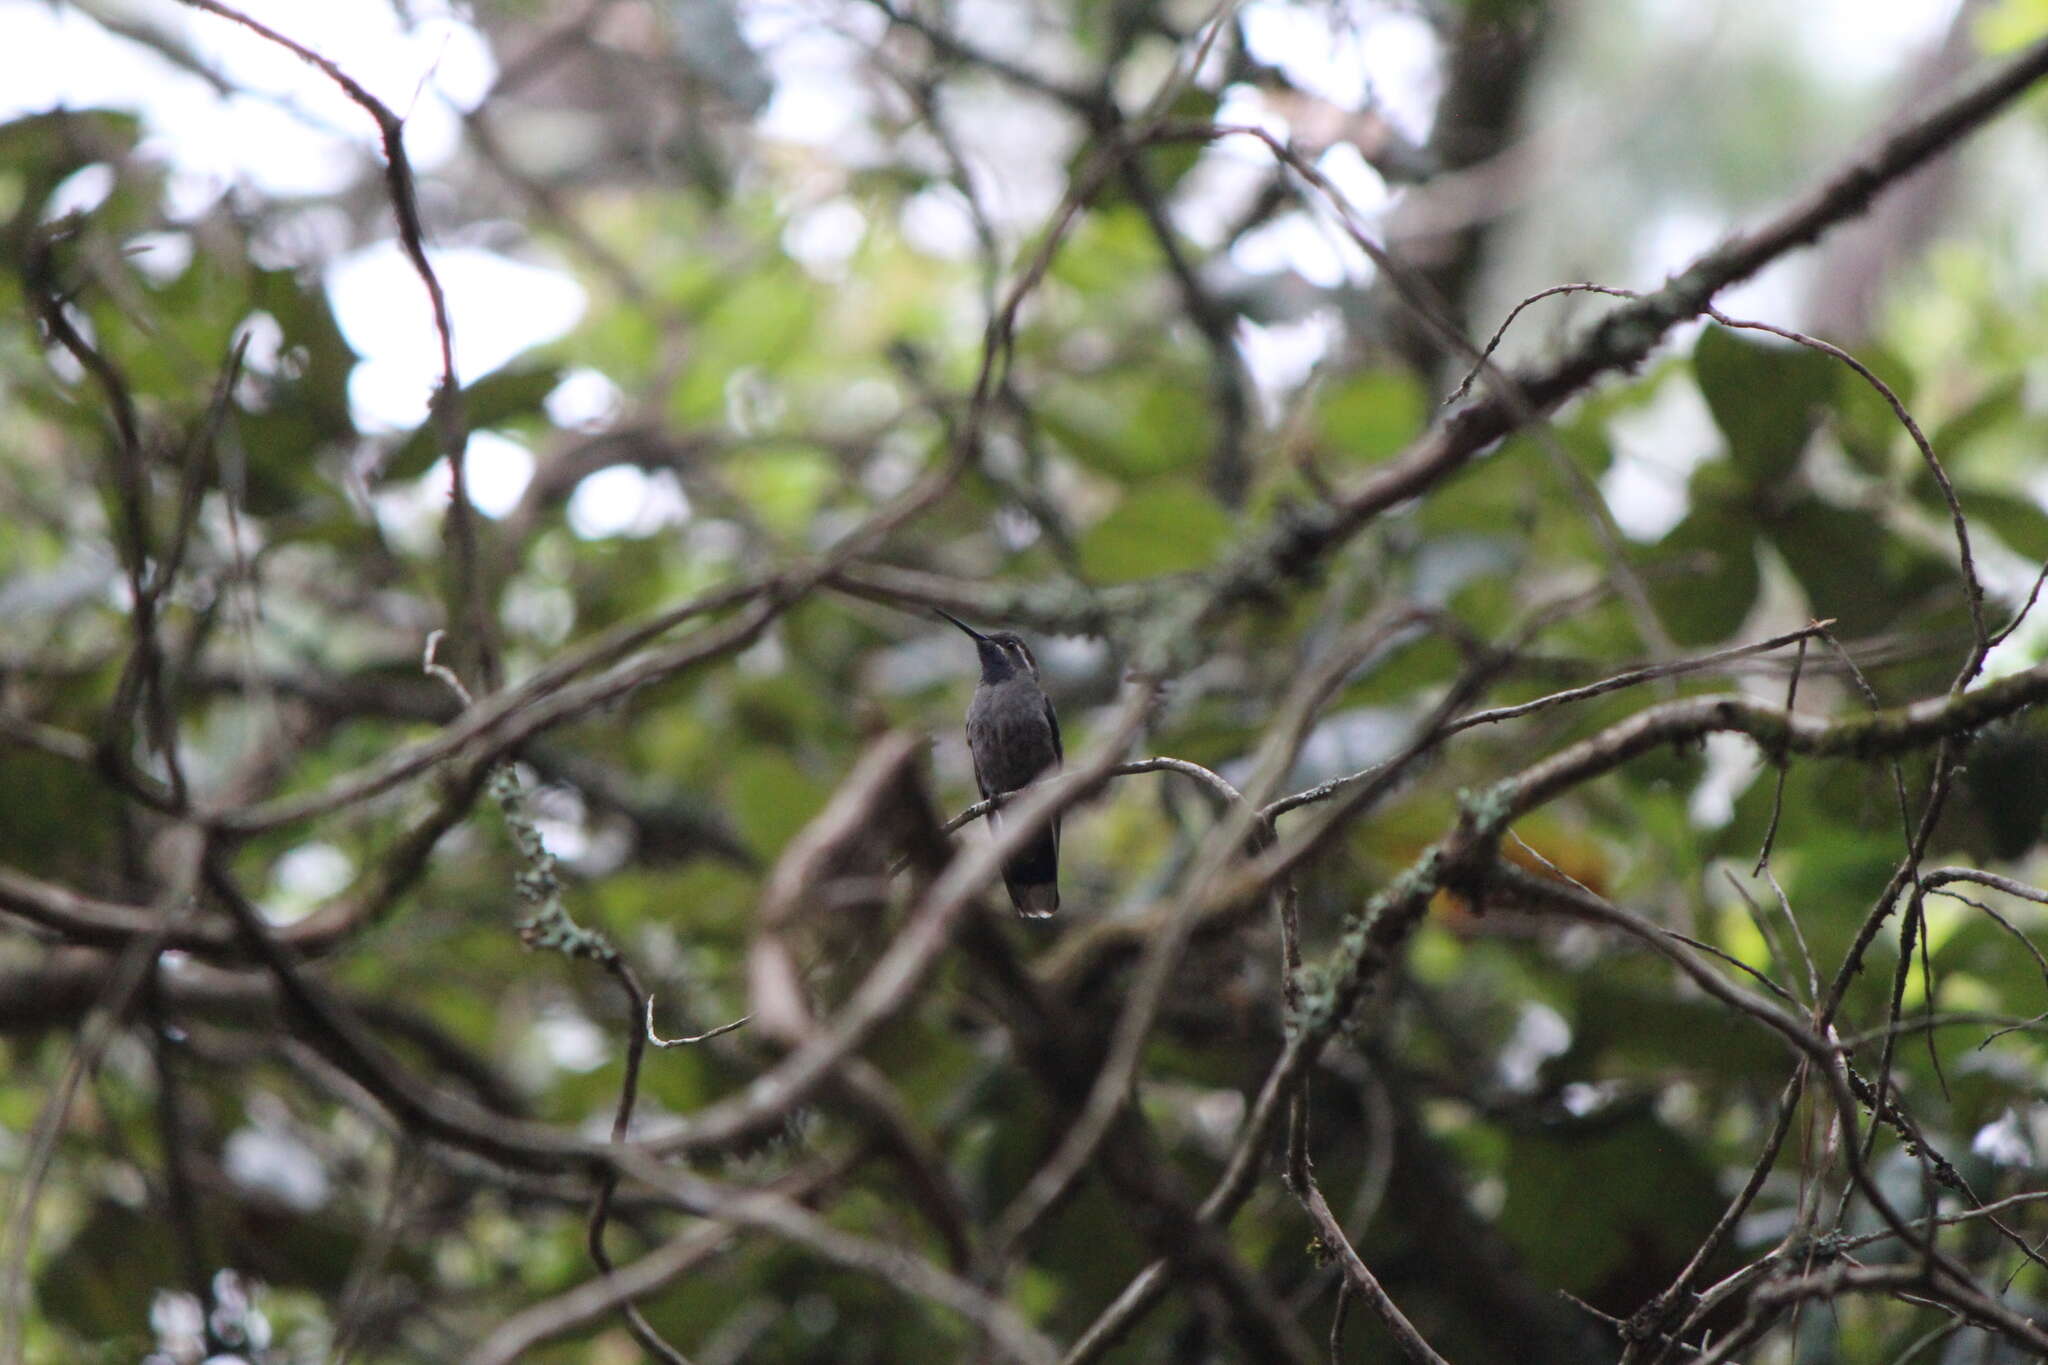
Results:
x,y
1360,1279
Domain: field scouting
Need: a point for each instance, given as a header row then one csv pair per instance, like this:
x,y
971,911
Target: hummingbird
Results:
x,y
1014,738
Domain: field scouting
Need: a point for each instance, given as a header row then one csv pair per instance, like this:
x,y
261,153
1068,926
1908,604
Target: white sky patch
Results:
x,y
297,133
1362,187
823,239
1246,106
937,222
1399,53
57,56
2003,1142
1732,765
278,1165
307,237
572,1042
2022,649
817,102
626,501
1211,198
313,871
497,308
1294,241
498,469
409,514
263,342
1859,41
1851,41
1281,356
178,1320
566,839
1540,1034
161,256
1673,240
1656,449
1314,47
212,144
304,877
84,190
585,398
1353,56
402,66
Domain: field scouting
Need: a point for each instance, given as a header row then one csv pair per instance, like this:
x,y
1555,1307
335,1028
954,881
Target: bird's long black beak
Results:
x,y
962,624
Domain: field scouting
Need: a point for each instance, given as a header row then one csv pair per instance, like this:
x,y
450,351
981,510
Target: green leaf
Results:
x,y
2011,25
499,397
1371,416
771,799
1629,1025
39,151
1766,398
100,1285
2006,778
2002,403
783,484
1838,556
2018,521
1109,250
1132,427
762,318
1169,161
1704,578
1579,1207
1865,421
1159,529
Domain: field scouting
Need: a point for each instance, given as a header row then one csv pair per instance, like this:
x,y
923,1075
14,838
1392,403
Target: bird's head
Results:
x,y
1003,652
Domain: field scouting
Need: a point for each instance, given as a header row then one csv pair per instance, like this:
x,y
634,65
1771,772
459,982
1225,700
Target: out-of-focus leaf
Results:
x,y
760,318
101,1284
1766,398
38,152
1111,248
1158,529
1838,557
1579,1207
63,831
1630,1027
1486,498
771,799
2011,25
1169,161
2018,521
783,484
1704,577
1132,427
1868,427
1370,416
1998,405
2006,777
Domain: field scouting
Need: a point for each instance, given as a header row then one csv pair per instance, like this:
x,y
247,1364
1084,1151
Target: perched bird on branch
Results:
x,y
1015,738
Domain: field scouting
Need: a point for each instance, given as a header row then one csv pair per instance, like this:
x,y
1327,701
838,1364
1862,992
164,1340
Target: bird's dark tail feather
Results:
x,y
1032,877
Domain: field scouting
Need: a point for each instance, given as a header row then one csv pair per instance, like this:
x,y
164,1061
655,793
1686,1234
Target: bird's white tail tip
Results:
x,y
1037,902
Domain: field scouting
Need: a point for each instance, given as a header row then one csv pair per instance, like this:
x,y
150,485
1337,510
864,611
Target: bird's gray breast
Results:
x,y
1008,734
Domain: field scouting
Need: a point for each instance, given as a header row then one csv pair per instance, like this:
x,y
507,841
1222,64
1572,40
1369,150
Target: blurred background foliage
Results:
x,y
780,229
